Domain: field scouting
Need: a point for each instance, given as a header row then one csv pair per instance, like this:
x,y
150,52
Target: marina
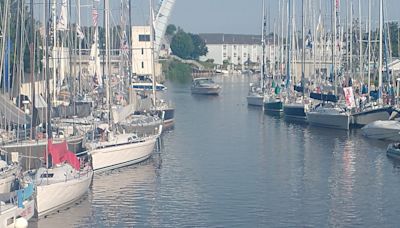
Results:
x,y
255,170
108,120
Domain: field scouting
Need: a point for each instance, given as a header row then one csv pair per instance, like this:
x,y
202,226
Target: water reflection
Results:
x,y
113,200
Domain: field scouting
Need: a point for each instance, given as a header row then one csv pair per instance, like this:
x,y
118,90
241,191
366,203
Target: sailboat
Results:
x,y
114,149
17,207
61,183
273,101
256,93
63,179
329,113
163,108
373,111
295,109
16,199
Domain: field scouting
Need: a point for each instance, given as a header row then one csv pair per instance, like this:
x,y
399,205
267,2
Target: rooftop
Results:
x,y
221,38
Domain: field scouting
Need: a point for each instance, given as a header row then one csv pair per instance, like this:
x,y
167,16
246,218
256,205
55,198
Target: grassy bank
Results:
x,y
177,72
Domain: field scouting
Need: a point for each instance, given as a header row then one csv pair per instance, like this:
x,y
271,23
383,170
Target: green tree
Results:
x,y
182,45
394,38
199,45
171,29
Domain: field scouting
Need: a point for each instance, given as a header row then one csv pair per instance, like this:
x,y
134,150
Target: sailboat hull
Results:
x,y
294,112
273,106
55,196
369,116
255,100
118,156
338,121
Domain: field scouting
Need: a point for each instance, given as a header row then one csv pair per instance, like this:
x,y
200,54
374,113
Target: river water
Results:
x,y
229,165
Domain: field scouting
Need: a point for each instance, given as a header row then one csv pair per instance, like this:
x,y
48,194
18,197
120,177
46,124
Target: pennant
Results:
x,y
62,24
81,36
95,16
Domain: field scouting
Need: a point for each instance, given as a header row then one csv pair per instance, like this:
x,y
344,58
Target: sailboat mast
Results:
x,y
55,42
351,37
130,44
282,43
262,78
79,50
32,51
46,72
303,49
369,46
361,65
288,51
334,43
380,49
152,53
107,61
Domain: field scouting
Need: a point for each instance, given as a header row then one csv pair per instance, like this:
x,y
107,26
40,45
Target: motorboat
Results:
x,y
205,86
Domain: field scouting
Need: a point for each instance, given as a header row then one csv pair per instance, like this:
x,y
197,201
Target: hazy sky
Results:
x,y
234,16
244,16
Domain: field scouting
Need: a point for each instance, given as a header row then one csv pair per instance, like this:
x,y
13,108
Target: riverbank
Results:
x,y
180,71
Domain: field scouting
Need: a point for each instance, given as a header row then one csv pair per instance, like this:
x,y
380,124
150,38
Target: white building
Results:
x,y
236,49
142,59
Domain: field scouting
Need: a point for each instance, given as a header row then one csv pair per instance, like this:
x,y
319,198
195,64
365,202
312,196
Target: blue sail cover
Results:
x,y
324,97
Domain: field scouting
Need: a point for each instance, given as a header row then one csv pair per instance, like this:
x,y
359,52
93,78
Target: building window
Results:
x,y
224,54
234,55
142,65
142,51
224,46
244,55
144,38
234,47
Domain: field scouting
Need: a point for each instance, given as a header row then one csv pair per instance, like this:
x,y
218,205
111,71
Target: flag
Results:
x,y
319,25
309,41
349,96
95,17
63,19
124,44
79,32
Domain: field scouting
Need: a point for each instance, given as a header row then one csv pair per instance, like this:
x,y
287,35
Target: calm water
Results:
x,y
228,165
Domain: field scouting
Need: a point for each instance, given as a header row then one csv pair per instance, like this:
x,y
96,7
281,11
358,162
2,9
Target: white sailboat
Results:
x,y
373,111
60,186
118,149
17,207
256,93
64,179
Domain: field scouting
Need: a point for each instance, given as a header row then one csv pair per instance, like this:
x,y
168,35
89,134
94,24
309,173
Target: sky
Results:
x,y
236,16
244,16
